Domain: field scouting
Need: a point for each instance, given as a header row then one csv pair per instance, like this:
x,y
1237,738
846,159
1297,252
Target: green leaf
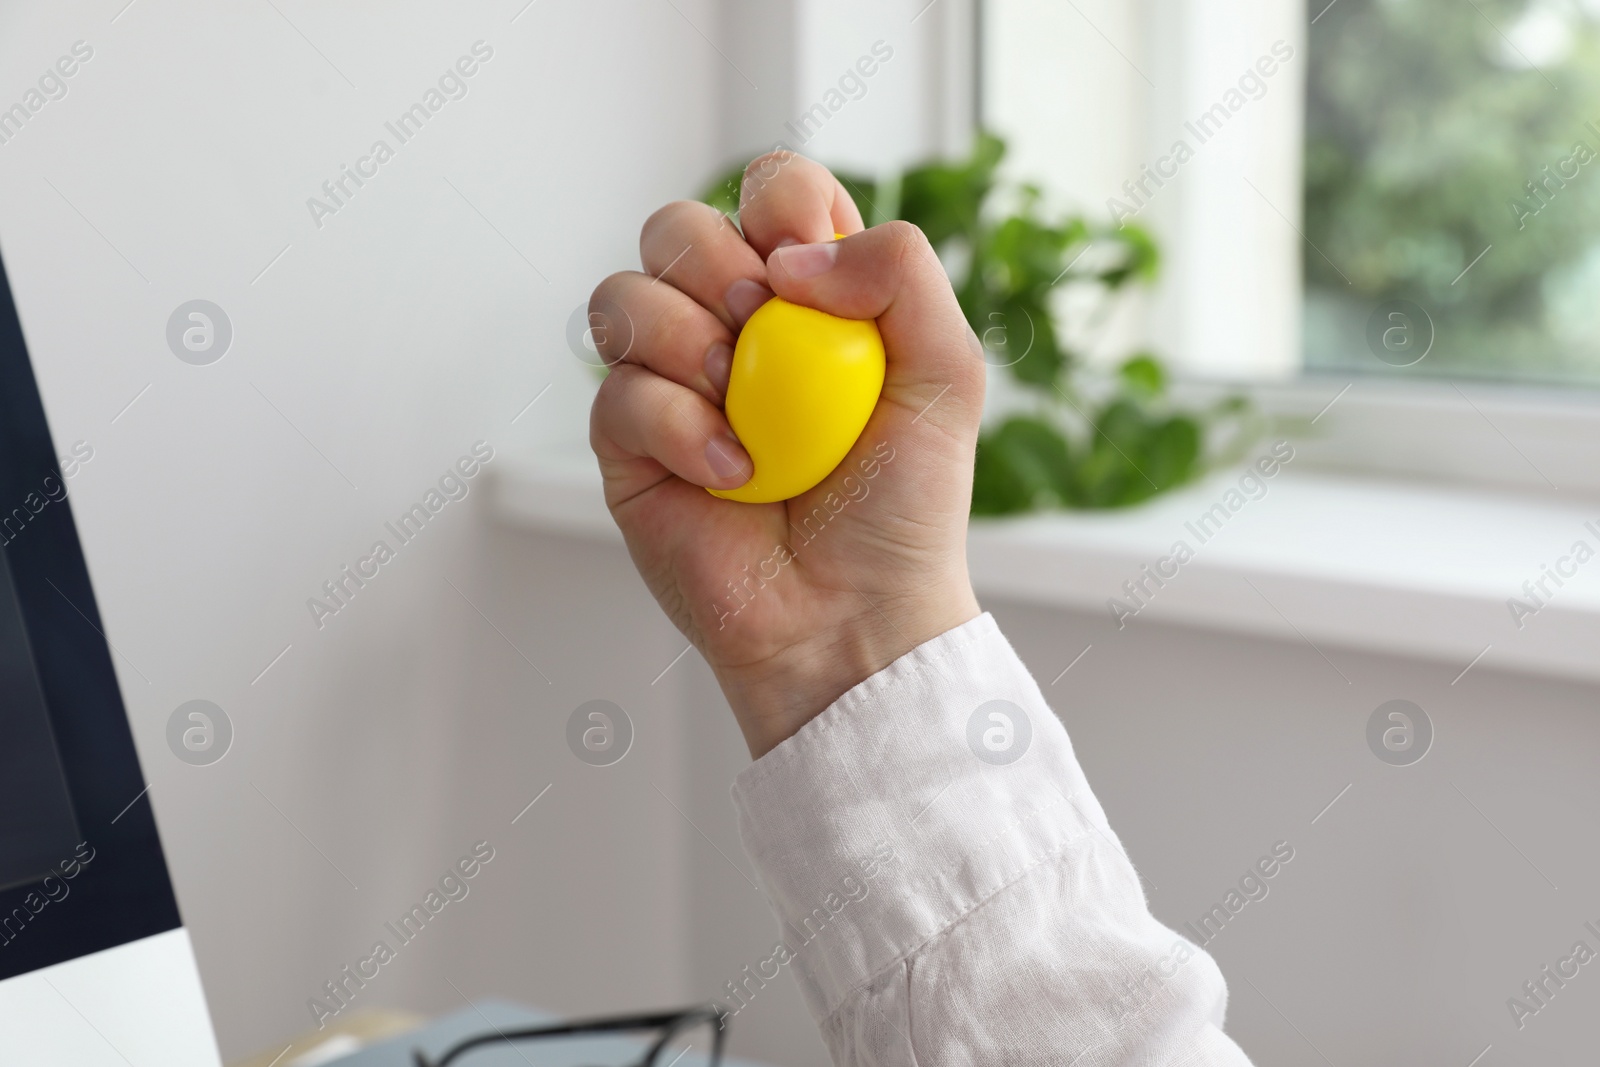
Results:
x,y
1143,376
945,199
998,488
1134,456
1023,464
1040,451
1140,258
1172,451
1120,425
1102,479
1025,255
867,195
723,192
1042,361
1017,332
1231,405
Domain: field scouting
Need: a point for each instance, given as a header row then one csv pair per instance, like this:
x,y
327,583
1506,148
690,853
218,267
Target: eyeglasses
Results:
x,y
689,1038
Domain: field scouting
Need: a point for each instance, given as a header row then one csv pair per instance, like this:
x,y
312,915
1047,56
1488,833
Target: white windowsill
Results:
x,y
1340,561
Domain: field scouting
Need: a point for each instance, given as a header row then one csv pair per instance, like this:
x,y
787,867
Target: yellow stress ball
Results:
x,y
802,387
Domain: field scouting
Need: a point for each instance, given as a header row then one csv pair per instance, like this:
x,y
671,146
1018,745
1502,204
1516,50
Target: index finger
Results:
x,y
789,199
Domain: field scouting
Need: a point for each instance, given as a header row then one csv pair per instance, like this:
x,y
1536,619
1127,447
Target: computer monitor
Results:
x,y
95,966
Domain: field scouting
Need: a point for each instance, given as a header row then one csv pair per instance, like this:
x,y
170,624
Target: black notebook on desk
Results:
x,y
490,1016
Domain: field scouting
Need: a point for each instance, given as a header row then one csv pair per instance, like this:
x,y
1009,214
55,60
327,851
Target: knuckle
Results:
x,y
910,236
907,245
654,223
605,397
609,289
619,402
604,402
671,427
767,167
679,324
666,218
763,161
611,324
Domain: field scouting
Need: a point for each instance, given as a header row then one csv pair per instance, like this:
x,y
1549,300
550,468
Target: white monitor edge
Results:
x,y
138,1003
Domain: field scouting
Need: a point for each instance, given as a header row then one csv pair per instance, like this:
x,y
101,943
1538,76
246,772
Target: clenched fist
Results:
x,y
791,603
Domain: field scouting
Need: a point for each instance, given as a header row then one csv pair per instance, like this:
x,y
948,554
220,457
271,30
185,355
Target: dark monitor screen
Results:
x,y
81,866
37,827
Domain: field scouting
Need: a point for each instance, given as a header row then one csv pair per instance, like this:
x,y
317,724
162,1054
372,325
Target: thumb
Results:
x,y
890,273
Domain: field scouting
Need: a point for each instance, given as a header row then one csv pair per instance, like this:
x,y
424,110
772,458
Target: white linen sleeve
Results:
x,y
948,890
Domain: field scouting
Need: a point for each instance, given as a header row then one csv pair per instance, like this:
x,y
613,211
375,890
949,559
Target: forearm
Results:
x,y
937,897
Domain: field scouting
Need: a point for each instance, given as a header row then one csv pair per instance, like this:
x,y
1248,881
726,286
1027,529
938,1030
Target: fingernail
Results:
x,y
718,366
743,297
728,460
808,261
785,242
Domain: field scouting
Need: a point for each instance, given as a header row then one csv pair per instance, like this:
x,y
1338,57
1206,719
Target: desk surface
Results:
x,y
368,1027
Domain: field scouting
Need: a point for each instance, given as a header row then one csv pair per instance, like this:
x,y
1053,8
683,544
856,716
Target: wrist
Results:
x,y
774,698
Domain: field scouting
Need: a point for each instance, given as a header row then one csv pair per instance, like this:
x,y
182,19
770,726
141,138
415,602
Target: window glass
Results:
x,y
1452,188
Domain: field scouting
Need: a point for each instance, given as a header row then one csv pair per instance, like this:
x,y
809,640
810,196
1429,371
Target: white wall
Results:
x,y
788,56
1406,919
392,338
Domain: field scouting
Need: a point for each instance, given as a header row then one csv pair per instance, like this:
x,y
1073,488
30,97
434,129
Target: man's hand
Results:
x,y
791,603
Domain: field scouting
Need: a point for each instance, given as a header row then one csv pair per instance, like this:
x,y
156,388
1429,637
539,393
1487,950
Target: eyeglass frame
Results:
x,y
669,1023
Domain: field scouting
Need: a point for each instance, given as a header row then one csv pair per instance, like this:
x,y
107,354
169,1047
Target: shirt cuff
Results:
x,y
905,805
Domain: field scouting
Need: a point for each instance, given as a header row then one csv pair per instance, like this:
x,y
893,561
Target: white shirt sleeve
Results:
x,y
941,905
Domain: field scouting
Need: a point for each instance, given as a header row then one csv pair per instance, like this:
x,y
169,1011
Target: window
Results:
x,y
1383,162
1452,189
1100,98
